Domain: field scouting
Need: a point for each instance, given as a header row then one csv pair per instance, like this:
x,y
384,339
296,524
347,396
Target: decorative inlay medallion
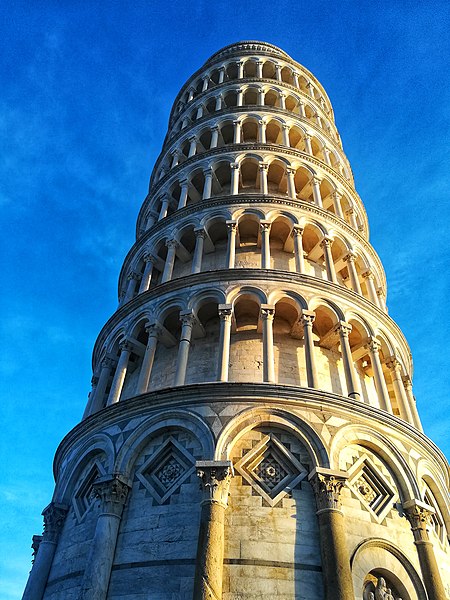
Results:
x,y
271,469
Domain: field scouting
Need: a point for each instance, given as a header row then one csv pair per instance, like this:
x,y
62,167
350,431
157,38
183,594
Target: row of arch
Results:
x,y
251,240
255,96
253,67
245,336
251,129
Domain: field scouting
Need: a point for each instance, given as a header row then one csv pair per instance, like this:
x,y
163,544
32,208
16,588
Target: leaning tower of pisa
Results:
x,y
251,431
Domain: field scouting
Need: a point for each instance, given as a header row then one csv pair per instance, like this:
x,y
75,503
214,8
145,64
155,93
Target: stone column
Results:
x,y
412,401
54,517
261,97
240,66
278,72
239,96
191,95
200,235
153,331
295,79
310,89
307,322
380,384
337,205
265,244
225,315
147,276
262,131
235,170
259,69
282,101
336,570
103,380
419,516
285,133
344,330
329,263
315,182
369,277
352,217
381,299
215,477
231,247
302,110
120,374
112,491
236,132
184,185
395,368
164,208
214,136
207,187
297,234
187,322
132,279
308,145
219,102
175,159
263,168
354,279
172,246
199,114
192,146
290,174
221,74
267,316
326,154
205,80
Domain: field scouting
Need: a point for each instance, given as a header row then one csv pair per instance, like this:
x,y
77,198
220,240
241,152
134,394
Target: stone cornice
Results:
x,y
259,394
229,112
223,277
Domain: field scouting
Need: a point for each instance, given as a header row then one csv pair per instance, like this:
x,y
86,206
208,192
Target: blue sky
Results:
x,y
86,92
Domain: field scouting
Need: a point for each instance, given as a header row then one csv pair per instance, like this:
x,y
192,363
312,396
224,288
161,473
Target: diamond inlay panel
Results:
x,y
271,469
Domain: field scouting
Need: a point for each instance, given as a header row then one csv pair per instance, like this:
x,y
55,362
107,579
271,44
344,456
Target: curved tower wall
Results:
x,y
251,353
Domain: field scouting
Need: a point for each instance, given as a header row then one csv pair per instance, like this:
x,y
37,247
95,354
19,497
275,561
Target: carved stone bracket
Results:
x,y
112,491
54,516
215,476
327,486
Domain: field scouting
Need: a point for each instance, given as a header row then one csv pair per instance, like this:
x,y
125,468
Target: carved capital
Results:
x,y
200,233
187,319
344,328
125,346
112,491
368,274
267,312
350,257
54,516
265,226
35,543
153,330
231,225
108,363
297,230
133,275
373,345
263,166
307,318
148,258
327,486
234,166
419,516
172,244
393,364
215,477
407,382
225,311
326,242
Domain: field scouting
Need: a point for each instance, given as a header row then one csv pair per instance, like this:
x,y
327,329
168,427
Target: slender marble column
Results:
x,y
207,188
265,244
261,97
337,205
267,316
175,159
283,101
120,374
103,380
236,132
191,95
336,570
187,322
132,279
263,168
225,315
395,368
200,235
329,263
297,234
302,110
172,246
231,247
164,208
219,100
221,74
259,69
381,299
240,66
285,132
412,401
295,79
215,477
419,516
192,146
239,97
147,276
54,516
262,131
380,384
112,491
199,114
354,279
290,173
214,136
310,89
326,154
278,72
184,185
351,380
235,170
205,80
315,181
369,277
307,320
352,216
308,145
153,331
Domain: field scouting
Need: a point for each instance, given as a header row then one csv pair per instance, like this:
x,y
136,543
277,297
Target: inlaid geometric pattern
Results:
x,y
84,497
371,486
271,469
164,472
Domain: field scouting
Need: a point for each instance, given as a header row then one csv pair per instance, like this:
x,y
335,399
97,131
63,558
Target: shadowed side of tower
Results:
x,y
251,430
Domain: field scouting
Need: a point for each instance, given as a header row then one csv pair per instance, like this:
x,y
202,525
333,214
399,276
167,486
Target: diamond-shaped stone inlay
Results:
x,y
164,472
271,469
372,487
84,497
